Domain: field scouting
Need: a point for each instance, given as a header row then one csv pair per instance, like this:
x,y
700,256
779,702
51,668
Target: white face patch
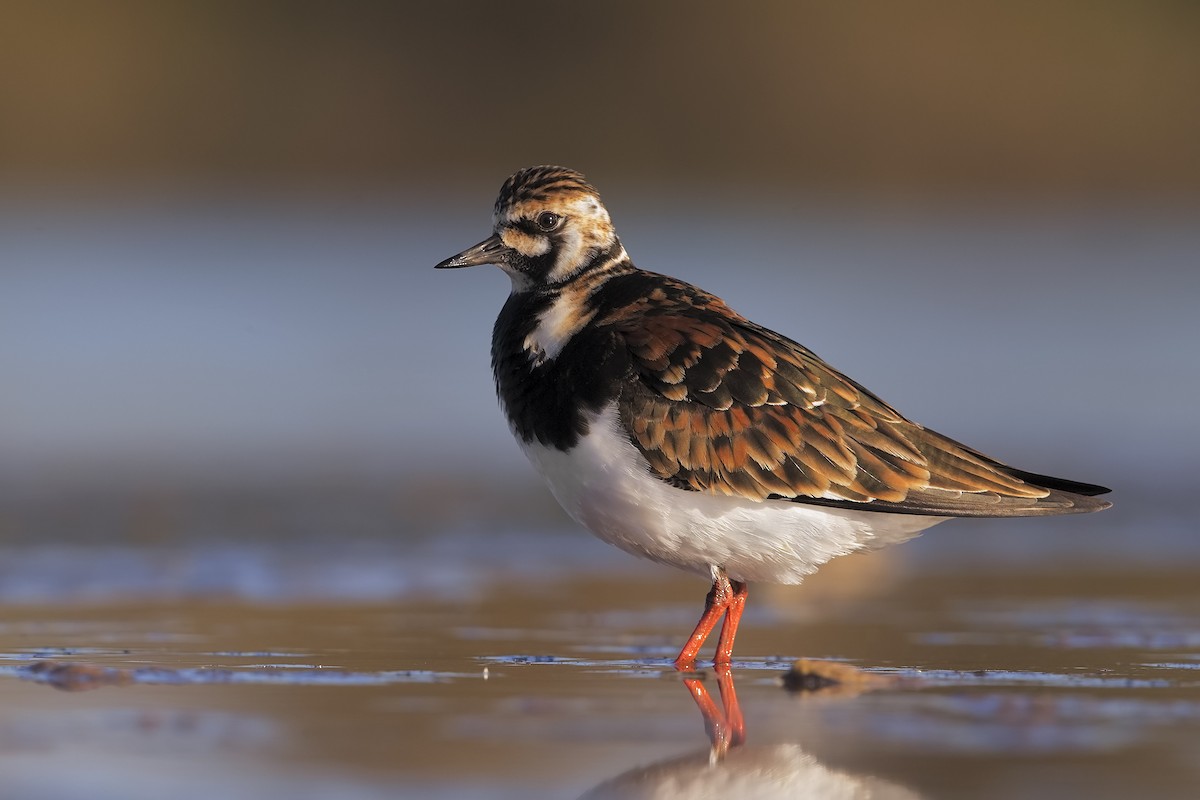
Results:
x,y
588,227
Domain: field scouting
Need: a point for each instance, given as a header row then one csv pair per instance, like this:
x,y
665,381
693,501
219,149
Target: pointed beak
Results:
x,y
490,251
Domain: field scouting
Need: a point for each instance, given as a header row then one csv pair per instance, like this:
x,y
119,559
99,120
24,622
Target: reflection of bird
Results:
x,y
731,769
767,771
678,430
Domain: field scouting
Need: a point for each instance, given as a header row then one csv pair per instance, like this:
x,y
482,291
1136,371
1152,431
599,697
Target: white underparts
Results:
x,y
605,484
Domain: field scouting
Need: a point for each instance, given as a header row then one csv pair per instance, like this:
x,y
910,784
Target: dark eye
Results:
x,y
548,220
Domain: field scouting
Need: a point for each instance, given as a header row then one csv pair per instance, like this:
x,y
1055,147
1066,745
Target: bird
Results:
x,y
678,430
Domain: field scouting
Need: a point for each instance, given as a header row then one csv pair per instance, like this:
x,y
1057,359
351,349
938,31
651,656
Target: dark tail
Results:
x,y
1059,484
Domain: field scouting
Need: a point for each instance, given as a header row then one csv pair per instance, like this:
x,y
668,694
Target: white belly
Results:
x,y
605,485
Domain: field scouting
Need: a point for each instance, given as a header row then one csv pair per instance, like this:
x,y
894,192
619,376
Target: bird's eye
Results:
x,y
548,220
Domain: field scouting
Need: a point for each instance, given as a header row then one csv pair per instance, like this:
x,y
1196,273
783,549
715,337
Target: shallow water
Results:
x,y
546,678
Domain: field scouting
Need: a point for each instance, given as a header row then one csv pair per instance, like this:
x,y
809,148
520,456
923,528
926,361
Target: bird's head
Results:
x,y
548,226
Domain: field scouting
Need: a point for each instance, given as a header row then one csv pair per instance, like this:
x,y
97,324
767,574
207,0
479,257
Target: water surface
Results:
x,y
553,680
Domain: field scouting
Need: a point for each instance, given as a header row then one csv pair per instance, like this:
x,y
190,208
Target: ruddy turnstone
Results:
x,y
676,429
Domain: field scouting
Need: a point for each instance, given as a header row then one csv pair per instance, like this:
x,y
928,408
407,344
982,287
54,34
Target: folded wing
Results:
x,y
717,404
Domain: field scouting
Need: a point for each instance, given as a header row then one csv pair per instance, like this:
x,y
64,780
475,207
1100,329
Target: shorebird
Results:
x,y
678,430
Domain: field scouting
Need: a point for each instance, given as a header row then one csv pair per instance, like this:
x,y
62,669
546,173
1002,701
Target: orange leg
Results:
x,y
733,615
726,598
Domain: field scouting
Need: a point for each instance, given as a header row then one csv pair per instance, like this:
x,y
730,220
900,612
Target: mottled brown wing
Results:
x,y
723,406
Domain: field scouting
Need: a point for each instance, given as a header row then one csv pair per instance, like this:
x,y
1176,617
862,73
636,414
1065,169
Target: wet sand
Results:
x,y
554,681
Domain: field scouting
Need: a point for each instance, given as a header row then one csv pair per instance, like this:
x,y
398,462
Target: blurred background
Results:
x,y
218,317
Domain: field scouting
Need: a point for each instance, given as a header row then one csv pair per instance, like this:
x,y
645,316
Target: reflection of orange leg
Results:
x,y
717,603
733,709
737,604
724,725
714,718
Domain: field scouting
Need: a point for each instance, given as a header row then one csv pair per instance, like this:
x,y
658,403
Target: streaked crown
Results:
x,y
542,184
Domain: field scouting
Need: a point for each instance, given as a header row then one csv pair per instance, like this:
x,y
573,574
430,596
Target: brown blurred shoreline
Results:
x,y
1072,99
